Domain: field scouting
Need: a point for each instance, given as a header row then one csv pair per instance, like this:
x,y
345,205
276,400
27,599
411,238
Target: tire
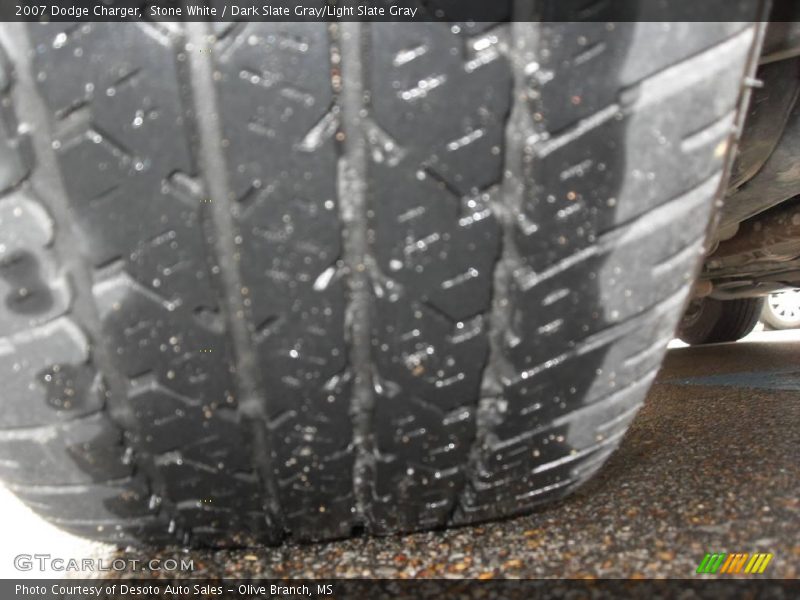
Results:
x,y
782,310
303,281
711,321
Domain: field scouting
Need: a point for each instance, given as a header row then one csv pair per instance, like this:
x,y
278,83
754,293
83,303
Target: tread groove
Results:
x,y
508,262
352,206
253,399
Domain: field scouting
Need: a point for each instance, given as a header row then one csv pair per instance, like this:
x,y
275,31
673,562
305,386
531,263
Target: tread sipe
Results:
x,y
303,279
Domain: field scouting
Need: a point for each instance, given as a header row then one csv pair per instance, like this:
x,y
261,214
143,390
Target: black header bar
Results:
x,y
221,11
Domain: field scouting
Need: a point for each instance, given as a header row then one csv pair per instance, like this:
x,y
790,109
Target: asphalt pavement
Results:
x,y
710,464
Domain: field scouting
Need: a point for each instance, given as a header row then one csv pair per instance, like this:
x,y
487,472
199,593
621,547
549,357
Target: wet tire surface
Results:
x,y
304,280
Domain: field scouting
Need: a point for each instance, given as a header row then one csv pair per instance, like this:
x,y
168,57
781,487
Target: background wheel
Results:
x,y
711,321
301,280
782,310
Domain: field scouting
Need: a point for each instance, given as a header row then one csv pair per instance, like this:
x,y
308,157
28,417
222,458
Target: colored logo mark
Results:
x,y
734,564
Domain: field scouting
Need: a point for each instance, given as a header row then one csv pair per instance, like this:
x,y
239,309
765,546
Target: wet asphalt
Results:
x,y
710,464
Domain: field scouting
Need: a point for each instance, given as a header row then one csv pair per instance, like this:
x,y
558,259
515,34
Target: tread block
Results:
x,y
276,100
32,290
118,98
82,451
128,498
64,385
438,101
613,168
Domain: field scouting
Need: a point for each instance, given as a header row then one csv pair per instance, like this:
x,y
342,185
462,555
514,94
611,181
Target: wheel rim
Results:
x,y
785,305
693,312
